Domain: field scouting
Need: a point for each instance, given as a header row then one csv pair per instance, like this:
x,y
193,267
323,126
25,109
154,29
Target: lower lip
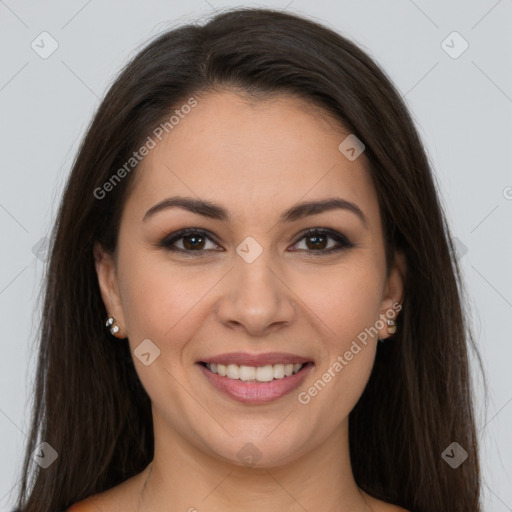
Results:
x,y
256,392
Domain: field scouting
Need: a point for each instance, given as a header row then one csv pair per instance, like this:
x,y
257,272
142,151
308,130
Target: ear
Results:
x,y
394,292
109,288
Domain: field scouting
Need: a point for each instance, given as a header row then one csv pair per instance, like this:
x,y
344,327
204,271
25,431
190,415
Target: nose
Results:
x,y
257,299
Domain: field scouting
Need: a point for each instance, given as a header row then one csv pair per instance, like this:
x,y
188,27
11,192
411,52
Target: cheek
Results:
x,y
161,303
347,309
157,296
346,301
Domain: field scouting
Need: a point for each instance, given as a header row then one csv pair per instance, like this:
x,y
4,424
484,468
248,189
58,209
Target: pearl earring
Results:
x,y
111,323
391,327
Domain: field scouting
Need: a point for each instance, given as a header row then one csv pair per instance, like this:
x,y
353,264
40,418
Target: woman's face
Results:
x,y
250,282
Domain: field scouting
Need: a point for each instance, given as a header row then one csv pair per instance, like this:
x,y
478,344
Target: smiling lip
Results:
x,y
246,359
254,393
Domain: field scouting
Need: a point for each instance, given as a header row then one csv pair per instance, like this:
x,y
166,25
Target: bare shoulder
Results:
x,y
382,506
87,505
121,498
388,507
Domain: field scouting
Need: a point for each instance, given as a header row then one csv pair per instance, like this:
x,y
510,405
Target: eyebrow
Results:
x,y
217,212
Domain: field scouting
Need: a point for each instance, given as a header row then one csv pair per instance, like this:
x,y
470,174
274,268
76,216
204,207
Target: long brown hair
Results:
x,y
89,404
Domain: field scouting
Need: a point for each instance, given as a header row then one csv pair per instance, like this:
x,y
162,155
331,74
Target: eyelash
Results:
x,y
342,240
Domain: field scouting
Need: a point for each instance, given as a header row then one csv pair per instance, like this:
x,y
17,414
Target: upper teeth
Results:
x,y
258,373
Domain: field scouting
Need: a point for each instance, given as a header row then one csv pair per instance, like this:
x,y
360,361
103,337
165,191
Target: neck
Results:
x,y
183,478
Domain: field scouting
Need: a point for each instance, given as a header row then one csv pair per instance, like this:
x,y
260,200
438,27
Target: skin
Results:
x,y
256,159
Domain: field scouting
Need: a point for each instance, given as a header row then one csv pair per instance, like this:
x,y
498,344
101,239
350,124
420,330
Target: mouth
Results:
x,y
253,385
266,373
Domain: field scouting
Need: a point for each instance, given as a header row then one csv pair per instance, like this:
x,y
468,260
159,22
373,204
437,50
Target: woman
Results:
x,y
252,299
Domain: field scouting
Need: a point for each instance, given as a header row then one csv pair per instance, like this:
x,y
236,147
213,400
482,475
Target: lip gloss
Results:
x,y
254,393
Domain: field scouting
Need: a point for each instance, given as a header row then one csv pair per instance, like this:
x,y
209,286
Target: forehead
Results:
x,y
263,153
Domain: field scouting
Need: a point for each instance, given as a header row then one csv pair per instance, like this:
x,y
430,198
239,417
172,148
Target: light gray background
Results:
x,y
462,107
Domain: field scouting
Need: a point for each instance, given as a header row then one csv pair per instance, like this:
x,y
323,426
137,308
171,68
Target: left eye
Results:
x,y
316,240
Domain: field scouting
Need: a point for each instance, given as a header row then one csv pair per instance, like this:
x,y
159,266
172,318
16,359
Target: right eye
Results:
x,y
192,240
